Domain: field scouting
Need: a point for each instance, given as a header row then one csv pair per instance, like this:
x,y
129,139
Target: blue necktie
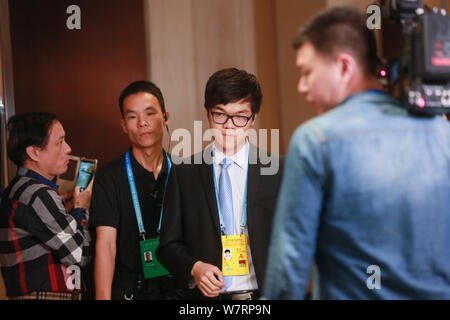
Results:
x,y
226,205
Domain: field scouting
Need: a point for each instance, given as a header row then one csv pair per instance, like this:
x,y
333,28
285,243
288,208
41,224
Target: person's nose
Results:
x,y
68,148
302,86
142,122
229,124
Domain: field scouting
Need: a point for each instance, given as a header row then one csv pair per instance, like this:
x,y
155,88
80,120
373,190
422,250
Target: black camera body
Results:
x,y
423,67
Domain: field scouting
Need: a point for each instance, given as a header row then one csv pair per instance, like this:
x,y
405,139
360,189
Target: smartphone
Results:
x,y
86,172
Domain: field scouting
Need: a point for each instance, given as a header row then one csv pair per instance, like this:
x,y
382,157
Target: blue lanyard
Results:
x,y
244,206
137,207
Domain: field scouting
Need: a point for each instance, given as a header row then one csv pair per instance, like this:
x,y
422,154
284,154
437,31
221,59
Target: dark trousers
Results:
x,y
161,288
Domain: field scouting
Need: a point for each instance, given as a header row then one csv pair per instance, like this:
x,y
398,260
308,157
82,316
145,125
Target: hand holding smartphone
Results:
x,y
86,172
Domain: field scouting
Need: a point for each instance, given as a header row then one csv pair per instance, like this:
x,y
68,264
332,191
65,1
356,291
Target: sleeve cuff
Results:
x,y
79,214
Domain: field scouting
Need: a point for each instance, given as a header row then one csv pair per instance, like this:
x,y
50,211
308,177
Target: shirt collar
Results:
x,y
359,94
140,169
36,176
240,158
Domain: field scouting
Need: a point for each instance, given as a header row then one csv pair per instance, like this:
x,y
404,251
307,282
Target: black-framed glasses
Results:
x,y
238,121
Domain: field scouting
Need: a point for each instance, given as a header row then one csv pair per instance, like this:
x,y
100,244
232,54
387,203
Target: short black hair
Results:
x,y
28,129
340,28
142,86
233,85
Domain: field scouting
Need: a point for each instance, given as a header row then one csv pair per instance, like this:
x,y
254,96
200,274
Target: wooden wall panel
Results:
x,y
172,59
189,40
79,74
267,65
361,4
290,15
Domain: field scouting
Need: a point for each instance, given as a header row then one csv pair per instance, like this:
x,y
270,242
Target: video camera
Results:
x,y
421,64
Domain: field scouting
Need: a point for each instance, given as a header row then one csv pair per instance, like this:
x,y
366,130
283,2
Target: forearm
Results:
x,y
104,270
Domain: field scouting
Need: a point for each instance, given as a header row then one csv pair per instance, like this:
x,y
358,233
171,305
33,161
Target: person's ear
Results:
x,y
347,66
166,118
33,152
123,125
253,120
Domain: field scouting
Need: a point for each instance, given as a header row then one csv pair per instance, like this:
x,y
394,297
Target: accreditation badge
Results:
x,y
235,255
152,267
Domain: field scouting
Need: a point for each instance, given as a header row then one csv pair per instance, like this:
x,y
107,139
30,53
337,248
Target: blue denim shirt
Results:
x,y
365,185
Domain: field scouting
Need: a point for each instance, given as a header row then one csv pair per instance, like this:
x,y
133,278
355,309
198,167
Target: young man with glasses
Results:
x,y
223,202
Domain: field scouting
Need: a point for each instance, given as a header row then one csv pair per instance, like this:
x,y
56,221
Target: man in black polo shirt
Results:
x,y
127,200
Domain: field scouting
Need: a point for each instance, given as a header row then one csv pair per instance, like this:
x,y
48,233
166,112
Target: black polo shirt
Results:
x,y
112,206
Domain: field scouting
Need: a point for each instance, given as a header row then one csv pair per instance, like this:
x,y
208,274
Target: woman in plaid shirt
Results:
x,y
39,239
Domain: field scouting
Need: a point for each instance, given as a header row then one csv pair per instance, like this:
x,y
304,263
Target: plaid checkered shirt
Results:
x,y
38,238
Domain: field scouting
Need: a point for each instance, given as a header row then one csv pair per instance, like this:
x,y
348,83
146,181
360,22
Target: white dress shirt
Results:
x,y
238,176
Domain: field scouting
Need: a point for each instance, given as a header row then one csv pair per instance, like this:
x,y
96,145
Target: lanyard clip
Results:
x,y
143,235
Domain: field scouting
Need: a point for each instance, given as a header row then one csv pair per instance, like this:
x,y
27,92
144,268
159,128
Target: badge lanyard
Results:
x,y
137,207
244,206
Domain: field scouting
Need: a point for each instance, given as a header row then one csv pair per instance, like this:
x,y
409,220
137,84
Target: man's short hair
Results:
x,y
28,129
341,28
142,86
233,85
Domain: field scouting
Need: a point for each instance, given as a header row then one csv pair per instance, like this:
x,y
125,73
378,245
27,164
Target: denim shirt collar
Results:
x,y
36,176
370,91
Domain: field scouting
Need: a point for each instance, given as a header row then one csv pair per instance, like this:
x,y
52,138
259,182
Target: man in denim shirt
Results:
x,y
366,194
